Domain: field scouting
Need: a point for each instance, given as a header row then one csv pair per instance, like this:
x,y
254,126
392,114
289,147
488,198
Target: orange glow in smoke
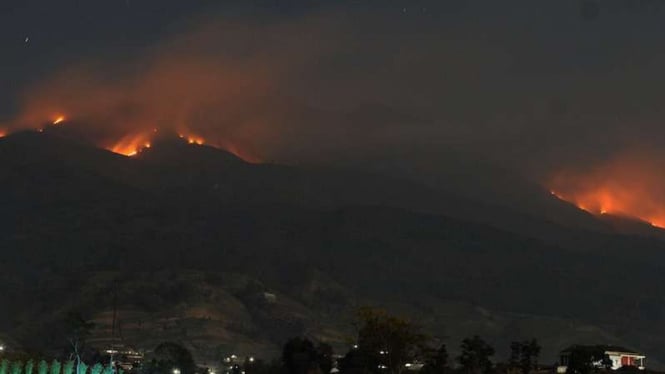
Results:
x,y
627,186
58,120
190,137
194,139
231,148
3,133
132,144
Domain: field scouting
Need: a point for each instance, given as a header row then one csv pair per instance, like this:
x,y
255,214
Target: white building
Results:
x,y
610,356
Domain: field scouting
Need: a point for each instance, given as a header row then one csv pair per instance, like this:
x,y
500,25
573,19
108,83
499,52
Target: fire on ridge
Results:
x,y
192,139
59,119
627,186
133,143
602,202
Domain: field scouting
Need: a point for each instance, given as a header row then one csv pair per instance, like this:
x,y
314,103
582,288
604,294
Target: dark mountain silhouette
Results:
x,y
480,181
189,239
624,224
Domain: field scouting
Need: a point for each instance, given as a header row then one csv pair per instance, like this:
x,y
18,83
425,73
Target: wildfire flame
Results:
x,y
626,186
131,145
58,120
198,141
134,143
191,138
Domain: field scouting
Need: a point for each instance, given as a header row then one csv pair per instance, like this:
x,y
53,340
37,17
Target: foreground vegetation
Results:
x,y
384,344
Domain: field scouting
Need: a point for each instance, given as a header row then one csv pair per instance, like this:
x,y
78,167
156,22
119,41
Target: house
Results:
x,y
599,356
269,297
125,357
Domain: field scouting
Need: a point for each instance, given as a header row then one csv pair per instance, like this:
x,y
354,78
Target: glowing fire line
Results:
x,y
132,144
59,120
602,202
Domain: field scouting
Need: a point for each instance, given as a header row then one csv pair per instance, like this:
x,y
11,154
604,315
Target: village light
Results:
x,y
251,359
176,371
2,348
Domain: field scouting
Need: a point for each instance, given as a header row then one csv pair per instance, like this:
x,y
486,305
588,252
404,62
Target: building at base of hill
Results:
x,y
599,356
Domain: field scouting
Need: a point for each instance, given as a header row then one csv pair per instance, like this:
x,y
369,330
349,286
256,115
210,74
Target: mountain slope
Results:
x,y
179,168
191,237
478,180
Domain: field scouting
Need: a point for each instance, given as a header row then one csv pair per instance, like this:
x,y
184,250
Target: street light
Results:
x,y
2,348
176,371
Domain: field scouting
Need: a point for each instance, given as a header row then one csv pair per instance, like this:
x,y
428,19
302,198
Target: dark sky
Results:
x,y
536,86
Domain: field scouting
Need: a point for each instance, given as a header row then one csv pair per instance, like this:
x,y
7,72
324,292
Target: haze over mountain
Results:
x,y
230,174
205,234
397,88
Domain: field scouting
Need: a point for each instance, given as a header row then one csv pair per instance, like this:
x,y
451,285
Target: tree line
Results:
x,y
389,344
384,344
54,367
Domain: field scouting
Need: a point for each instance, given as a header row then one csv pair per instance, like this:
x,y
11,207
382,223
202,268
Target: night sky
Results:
x,y
565,92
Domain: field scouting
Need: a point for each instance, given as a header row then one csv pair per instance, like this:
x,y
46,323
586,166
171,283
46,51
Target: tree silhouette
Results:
x,y
168,356
385,343
55,367
524,355
358,361
17,367
68,367
97,369
475,356
325,357
299,356
581,359
42,367
29,366
436,361
259,366
78,331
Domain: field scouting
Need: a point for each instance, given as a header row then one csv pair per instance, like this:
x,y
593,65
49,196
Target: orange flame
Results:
x,y
626,186
191,138
132,144
195,140
58,120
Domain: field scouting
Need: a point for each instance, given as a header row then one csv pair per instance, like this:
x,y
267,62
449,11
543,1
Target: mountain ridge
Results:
x,y
323,241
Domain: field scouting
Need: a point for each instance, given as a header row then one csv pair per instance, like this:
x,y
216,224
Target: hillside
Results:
x,y
188,238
